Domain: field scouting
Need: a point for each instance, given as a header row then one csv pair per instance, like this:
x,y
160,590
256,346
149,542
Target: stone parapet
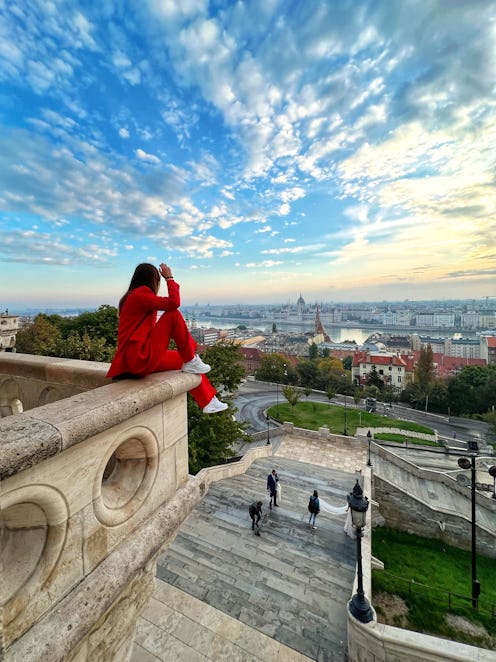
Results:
x,y
376,642
82,481
95,619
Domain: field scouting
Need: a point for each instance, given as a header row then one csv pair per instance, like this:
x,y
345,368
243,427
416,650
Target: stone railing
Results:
x,y
93,487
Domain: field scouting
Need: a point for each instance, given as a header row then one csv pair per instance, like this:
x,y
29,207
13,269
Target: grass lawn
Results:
x,y
400,439
313,415
433,563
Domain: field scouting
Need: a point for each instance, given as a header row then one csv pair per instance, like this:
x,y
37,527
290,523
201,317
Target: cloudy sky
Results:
x,y
344,149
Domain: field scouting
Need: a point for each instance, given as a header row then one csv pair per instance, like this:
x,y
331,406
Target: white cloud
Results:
x,y
123,133
144,156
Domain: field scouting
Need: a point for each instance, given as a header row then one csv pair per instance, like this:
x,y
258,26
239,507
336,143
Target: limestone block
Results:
x,y
42,551
17,434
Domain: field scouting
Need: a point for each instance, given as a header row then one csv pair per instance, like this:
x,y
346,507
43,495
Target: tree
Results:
x,y
274,327
211,437
374,379
100,324
307,390
331,373
40,337
291,394
307,372
330,392
85,348
226,360
313,351
425,374
357,395
473,390
272,368
348,362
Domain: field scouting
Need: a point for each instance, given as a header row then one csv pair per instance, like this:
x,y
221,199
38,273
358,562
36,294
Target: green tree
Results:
x,y
40,337
313,351
273,368
274,327
473,390
331,373
85,348
226,360
357,395
211,437
425,374
307,372
348,362
102,323
374,379
291,394
330,392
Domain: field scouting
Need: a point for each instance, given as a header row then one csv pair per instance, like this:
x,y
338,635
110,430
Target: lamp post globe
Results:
x,y
359,605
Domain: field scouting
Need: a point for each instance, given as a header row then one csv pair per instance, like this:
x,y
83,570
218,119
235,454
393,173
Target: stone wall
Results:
x,y
28,381
431,504
426,521
94,486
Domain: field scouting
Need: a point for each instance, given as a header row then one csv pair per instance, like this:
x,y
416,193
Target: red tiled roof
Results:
x,y
378,359
491,341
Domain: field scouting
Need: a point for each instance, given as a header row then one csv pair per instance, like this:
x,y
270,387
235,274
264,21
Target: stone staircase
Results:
x,y
291,583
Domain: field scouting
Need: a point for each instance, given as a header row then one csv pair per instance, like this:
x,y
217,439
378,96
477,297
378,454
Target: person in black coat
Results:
x,y
255,511
272,479
314,508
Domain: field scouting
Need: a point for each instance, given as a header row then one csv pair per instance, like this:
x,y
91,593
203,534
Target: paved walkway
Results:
x,y
224,593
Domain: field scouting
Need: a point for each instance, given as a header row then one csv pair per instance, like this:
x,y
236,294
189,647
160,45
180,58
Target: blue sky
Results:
x,y
342,149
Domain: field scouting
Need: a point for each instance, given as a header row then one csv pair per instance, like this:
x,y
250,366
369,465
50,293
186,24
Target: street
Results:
x,y
254,398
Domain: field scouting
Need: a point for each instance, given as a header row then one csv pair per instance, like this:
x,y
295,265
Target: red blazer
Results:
x,y
137,318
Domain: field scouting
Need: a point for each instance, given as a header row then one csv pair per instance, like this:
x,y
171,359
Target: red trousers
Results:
x,y
153,355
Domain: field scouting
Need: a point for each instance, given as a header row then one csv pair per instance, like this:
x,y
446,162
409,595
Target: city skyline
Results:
x,y
262,149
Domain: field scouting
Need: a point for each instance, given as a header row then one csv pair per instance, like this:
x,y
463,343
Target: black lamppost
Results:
x,y
466,463
492,472
359,605
268,429
369,439
345,418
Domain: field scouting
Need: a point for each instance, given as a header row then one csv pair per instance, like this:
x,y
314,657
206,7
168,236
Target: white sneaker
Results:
x,y
214,406
196,366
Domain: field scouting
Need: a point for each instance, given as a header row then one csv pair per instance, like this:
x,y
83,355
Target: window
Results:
x,y
399,379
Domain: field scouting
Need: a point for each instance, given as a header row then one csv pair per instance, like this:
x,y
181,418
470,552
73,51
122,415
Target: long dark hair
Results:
x,y
144,274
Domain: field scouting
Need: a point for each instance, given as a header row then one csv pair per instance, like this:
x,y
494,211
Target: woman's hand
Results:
x,y
165,271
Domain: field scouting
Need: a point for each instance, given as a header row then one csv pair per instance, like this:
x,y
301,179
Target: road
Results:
x,y
254,398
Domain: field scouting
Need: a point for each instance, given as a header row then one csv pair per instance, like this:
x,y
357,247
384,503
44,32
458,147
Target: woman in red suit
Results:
x,y
143,343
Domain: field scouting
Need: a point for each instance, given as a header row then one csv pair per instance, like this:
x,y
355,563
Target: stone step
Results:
x,y
290,583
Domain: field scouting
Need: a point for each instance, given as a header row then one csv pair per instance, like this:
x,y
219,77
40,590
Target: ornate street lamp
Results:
x,y
369,439
466,463
359,605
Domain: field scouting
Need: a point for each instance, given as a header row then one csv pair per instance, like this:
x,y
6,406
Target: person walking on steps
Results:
x,y
143,342
255,511
272,479
314,508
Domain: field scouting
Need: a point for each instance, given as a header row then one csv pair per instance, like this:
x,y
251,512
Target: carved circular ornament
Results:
x,y
34,526
125,476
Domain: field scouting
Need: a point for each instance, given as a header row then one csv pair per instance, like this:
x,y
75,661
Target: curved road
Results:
x,y
253,399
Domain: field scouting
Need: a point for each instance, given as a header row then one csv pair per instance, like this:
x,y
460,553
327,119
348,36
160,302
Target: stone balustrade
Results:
x,y
94,485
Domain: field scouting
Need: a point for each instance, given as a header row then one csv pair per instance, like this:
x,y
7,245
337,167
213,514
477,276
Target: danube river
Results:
x,y
337,334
